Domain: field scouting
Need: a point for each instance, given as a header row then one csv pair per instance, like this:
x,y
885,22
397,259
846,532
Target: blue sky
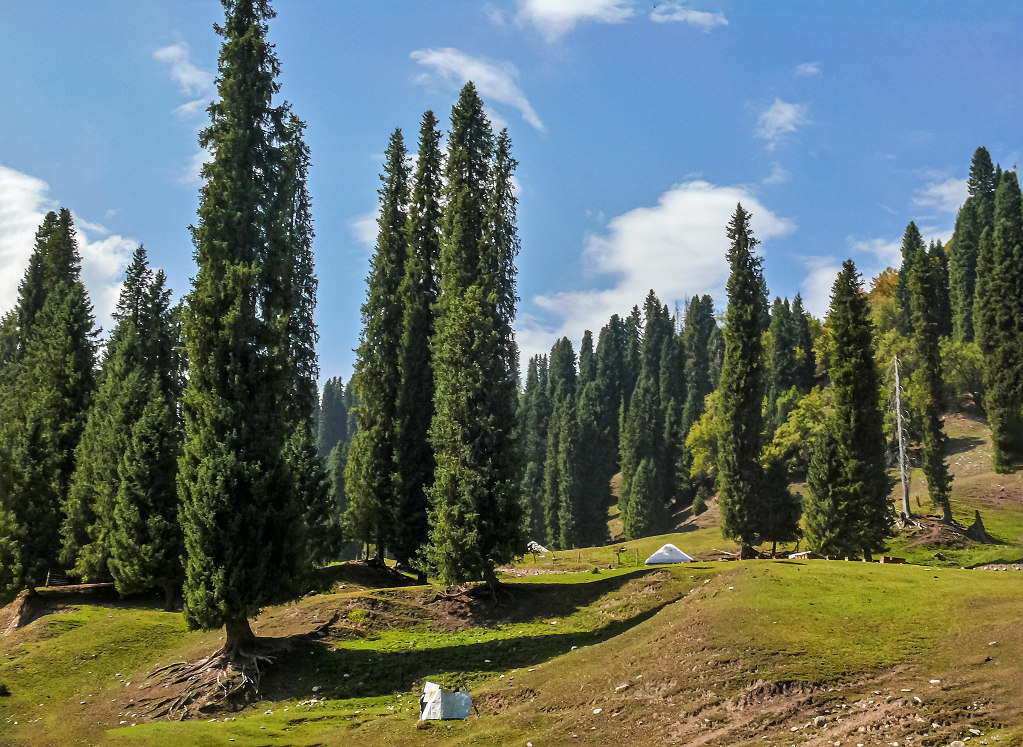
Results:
x,y
637,127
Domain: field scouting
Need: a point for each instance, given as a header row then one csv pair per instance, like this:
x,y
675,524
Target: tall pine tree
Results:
x,y
926,314
858,422
413,457
242,514
474,505
46,386
369,476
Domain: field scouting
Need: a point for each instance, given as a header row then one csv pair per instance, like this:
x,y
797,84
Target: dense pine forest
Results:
x,y
190,450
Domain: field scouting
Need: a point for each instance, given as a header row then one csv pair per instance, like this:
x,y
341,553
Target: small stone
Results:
x,y
819,721
993,643
316,688
935,682
597,711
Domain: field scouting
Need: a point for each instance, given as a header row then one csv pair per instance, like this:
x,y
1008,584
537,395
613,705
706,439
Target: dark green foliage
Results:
x,y
413,456
322,524
924,290
998,310
332,424
806,358
740,476
591,459
982,184
587,360
533,419
782,370
474,504
369,478
829,520
962,270
912,243
141,361
644,435
611,377
145,537
782,508
248,370
858,423
700,501
569,489
46,386
561,382
698,329
937,259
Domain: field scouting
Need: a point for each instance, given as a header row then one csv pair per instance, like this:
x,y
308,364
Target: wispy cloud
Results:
x,y
679,12
677,247
192,81
778,175
808,70
495,81
816,287
555,18
199,86
945,195
24,201
780,119
364,228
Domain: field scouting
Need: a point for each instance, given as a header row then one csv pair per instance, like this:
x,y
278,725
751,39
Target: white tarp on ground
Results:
x,y
668,554
438,703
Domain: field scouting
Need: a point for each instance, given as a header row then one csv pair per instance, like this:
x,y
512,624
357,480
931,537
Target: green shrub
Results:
x,y
4,692
357,617
700,501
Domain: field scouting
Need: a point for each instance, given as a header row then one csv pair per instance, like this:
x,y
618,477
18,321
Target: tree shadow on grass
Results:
x,y
962,444
359,673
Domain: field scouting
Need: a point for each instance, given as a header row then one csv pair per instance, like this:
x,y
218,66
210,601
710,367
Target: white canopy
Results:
x,y
668,554
438,703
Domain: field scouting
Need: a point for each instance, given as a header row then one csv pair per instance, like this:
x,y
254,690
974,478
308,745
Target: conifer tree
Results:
x,y
474,505
413,457
569,489
699,324
828,520
534,419
587,360
962,271
242,514
740,476
46,386
997,314
937,260
332,425
141,360
369,476
591,461
858,423
782,372
644,432
611,380
561,386
145,537
926,310
806,358
912,242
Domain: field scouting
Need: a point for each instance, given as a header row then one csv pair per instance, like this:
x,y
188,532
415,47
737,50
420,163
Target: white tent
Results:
x,y
438,703
668,554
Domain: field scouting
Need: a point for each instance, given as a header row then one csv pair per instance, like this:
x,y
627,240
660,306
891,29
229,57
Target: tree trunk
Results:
x,y
168,598
241,641
868,556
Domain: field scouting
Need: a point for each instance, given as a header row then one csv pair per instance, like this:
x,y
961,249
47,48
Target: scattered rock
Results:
x,y
819,721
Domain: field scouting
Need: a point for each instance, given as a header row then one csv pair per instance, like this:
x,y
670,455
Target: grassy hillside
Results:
x,y
586,648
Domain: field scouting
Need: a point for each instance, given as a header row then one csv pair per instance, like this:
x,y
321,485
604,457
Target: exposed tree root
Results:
x,y
227,678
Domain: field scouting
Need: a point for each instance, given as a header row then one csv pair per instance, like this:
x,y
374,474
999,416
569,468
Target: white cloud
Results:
x,y
816,287
808,70
947,195
364,228
780,119
555,18
886,250
676,247
778,175
495,81
669,12
24,201
192,81
191,175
